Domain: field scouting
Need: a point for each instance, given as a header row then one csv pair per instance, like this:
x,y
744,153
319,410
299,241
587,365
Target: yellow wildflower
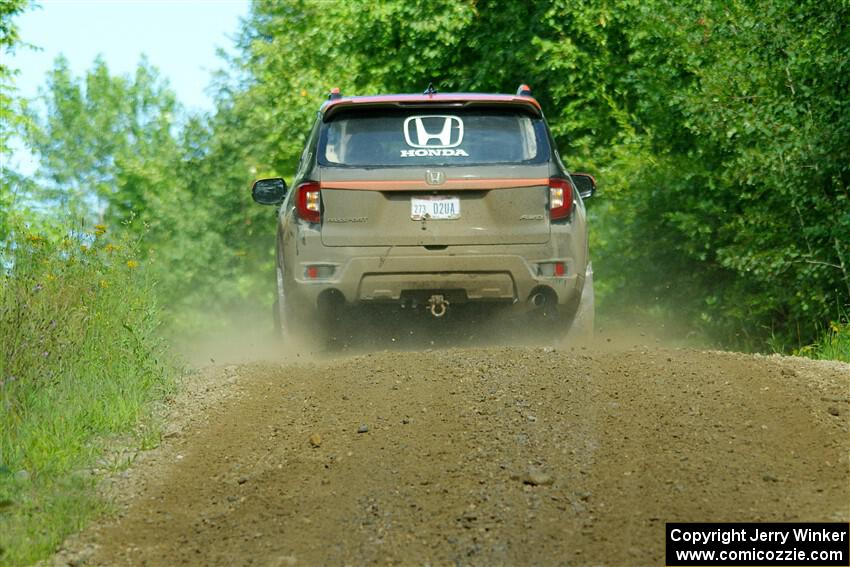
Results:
x,y
99,229
34,238
111,248
83,248
303,92
104,284
132,264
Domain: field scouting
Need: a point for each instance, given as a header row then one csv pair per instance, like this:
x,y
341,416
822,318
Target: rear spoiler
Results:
x,y
448,100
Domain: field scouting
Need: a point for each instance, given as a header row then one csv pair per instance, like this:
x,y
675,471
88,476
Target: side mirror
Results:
x,y
269,191
585,184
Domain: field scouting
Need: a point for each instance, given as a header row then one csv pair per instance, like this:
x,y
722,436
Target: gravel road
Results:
x,y
480,456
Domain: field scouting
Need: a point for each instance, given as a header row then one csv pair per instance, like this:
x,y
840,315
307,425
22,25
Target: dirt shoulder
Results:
x,y
482,457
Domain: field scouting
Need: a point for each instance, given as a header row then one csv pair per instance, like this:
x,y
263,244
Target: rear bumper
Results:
x,y
464,273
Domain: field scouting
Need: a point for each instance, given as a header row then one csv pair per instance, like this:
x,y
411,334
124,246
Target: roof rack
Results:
x,y
430,90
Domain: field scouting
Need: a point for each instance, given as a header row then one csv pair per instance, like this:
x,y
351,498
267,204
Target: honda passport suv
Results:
x,y
430,203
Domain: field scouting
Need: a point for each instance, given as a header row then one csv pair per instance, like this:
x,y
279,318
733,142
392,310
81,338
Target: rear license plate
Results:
x,y
434,208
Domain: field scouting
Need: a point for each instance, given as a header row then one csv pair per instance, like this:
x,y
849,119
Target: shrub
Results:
x,y
80,362
834,343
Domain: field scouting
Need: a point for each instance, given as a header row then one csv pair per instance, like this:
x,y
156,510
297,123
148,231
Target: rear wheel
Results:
x,y
283,319
283,311
332,321
581,326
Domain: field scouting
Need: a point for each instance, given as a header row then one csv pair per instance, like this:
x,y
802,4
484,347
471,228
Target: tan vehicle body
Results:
x,y
368,248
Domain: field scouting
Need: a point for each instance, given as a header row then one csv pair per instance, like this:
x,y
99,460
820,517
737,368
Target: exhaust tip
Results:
x,y
543,298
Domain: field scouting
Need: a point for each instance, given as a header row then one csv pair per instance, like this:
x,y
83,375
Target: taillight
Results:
x,y
309,202
552,269
319,271
560,269
560,198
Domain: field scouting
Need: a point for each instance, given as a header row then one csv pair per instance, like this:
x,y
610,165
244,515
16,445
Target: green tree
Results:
x,y
105,144
118,150
745,196
10,118
719,130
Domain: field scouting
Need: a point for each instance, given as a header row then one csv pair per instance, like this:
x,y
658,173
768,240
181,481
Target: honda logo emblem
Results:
x,y
435,177
434,131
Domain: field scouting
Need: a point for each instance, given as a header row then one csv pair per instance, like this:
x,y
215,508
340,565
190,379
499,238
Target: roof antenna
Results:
x,y
430,90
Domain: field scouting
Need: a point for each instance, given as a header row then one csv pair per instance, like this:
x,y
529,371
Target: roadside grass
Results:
x,y
834,344
81,364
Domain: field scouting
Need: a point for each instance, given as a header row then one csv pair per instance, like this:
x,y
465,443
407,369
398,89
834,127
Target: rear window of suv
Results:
x,y
438,136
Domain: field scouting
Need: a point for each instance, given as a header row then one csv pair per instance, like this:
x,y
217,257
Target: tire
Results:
x,y
331,326
581,327
283,320
276,318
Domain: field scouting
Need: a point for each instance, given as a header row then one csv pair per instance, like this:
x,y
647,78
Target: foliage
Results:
x,y
834,344
100,137
80,360
119,150
9,41
10,117
756,202
718,132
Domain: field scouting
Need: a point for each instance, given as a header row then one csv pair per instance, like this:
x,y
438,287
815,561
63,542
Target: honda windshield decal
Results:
x,y
433,135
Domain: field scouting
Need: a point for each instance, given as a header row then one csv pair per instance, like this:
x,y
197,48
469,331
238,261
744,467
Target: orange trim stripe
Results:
x,y
413,185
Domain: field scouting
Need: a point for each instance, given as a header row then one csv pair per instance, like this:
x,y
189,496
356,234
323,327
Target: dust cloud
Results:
x,y
250,335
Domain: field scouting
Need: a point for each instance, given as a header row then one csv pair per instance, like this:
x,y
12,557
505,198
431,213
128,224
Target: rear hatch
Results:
x,y
434,177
